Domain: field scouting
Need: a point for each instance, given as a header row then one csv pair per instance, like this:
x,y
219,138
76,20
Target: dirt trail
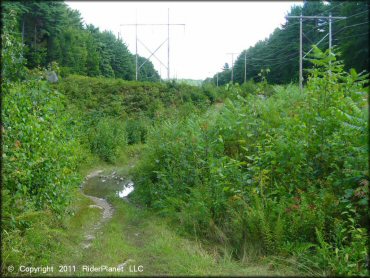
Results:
x,y
100,203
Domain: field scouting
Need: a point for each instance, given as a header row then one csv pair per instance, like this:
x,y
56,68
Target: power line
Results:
x,y
275,59
331,8
289,45
350,26
280,58
358,14
301,17
152,54
292,24
279,63
357,35
353,25
330,34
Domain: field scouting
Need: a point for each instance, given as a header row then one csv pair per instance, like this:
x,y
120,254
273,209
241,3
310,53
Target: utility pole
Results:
x,y
168,24
136,48
330,44
245,66
232,65
330,32
168,44
301,17
300,53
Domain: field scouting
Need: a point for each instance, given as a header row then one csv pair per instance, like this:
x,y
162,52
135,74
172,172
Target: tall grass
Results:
x,y
270,170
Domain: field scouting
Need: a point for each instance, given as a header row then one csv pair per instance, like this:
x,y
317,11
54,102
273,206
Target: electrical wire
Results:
x,y
349,27
275,64
285,58
331,8
357,14
289,45
357,35
281,51
307,37
275,59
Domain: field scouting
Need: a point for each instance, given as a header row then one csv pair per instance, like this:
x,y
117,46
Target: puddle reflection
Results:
x,y
127,189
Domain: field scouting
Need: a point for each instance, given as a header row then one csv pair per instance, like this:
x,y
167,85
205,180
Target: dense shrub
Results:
x,y
40,150
107,107
106,138
117,97
288,170
136,130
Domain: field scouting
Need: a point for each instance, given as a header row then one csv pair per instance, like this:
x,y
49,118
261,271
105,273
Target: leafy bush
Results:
x,y
40,150
136,130
283,171
106,138
12,60
116,97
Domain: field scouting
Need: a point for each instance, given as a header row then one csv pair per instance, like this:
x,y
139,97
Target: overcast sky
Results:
x,y
198,50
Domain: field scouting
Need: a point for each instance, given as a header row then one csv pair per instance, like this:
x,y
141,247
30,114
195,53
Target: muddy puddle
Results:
x,y
97,187
102,186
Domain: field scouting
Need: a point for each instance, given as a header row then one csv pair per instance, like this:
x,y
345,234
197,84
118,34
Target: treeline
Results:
x,y
280,51
52,32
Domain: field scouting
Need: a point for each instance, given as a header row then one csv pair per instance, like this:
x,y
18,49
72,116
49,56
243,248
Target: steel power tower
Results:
x,y
152,53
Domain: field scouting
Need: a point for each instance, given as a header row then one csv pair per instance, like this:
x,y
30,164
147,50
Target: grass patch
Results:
x,y
49,241
133,236
140,238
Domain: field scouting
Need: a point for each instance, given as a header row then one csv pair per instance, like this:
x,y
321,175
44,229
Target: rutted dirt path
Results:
x,y
100,203
132,240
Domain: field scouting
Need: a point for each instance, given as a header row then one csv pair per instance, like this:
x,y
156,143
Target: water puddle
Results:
x,y
103,185
127,189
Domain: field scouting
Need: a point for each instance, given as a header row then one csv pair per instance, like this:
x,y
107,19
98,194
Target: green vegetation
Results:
x,y
282,175
132,234
120,98
280,51
115,112
52,32
41,149
236,180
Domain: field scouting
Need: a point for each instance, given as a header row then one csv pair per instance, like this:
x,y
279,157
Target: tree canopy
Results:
x,y
53,32
280,51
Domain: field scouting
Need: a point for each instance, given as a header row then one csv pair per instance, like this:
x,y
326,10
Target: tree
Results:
x,y
147,71
280,51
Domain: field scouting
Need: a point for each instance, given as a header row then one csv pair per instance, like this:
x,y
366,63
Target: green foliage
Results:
x,y
114,112
119,98
136,130
283,170
280,51
348,254
40,151
106,138
51,31
11,49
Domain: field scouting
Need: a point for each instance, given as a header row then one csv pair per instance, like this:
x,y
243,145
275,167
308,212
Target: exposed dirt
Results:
x,y
107,212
